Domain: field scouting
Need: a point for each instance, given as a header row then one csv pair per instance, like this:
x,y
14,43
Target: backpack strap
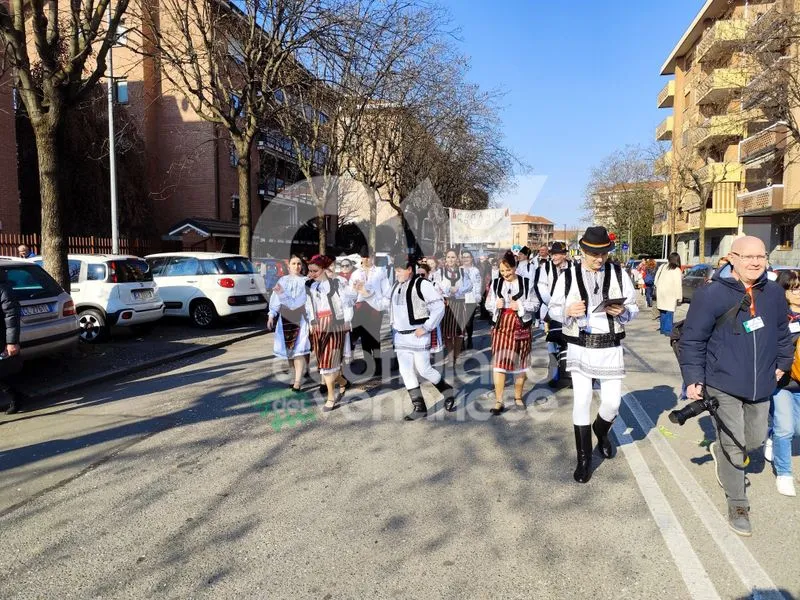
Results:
x,y
582,287
536,286
524,288
419,288
606,288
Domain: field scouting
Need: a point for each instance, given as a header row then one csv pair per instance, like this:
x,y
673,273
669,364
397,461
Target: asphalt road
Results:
x,y
203,482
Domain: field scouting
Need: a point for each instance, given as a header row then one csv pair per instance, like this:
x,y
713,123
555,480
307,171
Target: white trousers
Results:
x,y
413,362
610,398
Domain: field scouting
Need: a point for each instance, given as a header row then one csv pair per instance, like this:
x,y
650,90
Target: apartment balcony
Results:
x,y
666,97
765,144
769,87
719,85
767,30
714,220
663,163
721,40
691,202
665,129
724,172
766,201
681,226
720,128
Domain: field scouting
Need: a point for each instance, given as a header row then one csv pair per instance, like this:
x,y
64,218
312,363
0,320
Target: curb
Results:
x,y
155,362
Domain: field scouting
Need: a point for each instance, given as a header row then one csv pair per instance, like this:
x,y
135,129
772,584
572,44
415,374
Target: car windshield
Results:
x,y
235,265
131,270
31,282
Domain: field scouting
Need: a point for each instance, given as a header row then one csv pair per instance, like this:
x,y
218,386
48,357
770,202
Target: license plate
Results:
x,y
36,309
252,298
143,294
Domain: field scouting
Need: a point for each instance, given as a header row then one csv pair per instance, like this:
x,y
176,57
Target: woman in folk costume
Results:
x,y
473,296
455,284
287,316
513,304
594,336
424,270
415,309
329,310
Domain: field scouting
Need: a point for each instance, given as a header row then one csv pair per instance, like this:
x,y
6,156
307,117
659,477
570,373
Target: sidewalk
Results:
x,y
125,354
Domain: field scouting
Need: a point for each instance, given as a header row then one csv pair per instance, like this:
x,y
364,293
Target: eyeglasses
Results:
x,y
751,258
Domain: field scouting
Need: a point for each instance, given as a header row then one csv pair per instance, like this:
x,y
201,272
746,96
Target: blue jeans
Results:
x,y
785,425
648,295
666,321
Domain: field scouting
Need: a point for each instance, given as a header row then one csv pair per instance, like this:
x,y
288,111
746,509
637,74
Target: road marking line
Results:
x,y
691,569
740,558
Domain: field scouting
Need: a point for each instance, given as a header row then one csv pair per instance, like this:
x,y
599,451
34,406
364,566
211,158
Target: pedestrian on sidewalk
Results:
x,y
594,330
786,401
371,285
513,302
472,296
669,287
287,317
649,277
10,361
415,310
737,363
329,311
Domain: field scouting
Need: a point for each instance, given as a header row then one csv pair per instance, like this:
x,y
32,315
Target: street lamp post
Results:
x,y
112,158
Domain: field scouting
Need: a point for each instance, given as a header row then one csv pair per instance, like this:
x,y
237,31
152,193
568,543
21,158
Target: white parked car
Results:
x,y
47,313
112,291
206,285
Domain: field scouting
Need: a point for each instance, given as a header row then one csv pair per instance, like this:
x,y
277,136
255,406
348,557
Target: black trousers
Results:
x,y
367,328
470,326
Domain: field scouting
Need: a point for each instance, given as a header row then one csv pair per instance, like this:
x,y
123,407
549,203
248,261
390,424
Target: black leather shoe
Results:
x,y
498,409
12,407
583,446
446,390
604,445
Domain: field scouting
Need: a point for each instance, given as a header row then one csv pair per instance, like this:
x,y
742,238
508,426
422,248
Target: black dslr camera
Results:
x,y
694,409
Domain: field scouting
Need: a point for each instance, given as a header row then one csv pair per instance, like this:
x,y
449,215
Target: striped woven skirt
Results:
x,y
511,344
291,327
455,317
328,341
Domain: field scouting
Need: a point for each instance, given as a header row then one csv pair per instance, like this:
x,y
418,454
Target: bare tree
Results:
x,y
57,52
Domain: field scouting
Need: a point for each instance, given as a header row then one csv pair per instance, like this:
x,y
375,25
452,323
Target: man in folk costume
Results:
x,y
594,337
372,286
415,309
547,275
513,304
525,268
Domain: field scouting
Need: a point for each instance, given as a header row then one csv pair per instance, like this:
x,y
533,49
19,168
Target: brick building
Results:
x,y
9,189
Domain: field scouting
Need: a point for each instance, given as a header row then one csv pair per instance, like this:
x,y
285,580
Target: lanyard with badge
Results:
x,y
755,323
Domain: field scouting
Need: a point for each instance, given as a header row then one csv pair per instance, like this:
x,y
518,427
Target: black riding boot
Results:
x,y
600,428
446,390
583,444
420,410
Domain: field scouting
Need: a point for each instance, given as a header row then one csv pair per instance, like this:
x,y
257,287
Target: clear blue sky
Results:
x,y
581,80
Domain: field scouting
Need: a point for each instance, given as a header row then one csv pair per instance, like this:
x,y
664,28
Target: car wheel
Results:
x,y
203,314
94,328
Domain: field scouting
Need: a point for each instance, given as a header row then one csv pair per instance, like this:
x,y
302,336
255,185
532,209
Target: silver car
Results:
x,y
48,320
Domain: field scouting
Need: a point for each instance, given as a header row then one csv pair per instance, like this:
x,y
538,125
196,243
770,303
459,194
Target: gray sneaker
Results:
x,y
713,447
739,520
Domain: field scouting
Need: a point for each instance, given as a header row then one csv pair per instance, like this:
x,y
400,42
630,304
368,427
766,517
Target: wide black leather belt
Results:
x,y
596,340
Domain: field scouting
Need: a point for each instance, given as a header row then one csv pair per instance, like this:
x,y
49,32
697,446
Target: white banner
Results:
x,y
489,226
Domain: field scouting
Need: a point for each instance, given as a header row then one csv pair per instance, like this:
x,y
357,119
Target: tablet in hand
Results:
x,y
610,302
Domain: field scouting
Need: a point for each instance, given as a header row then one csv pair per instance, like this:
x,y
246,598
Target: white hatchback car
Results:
x,y
112,291
207,285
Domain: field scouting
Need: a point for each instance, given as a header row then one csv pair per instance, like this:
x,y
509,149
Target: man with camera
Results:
x,y
734,347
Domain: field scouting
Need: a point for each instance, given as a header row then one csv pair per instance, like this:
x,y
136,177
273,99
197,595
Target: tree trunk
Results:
x,y
323,232
373,223
54,242
701,252
245,220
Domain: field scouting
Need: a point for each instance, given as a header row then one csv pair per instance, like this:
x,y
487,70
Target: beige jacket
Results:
x,y
669,288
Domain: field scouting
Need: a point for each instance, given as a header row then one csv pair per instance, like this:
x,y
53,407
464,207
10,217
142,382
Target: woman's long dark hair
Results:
x,y
674,261
789,279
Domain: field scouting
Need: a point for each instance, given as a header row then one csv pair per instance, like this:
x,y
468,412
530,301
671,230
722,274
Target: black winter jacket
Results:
x,y
728,358
10,309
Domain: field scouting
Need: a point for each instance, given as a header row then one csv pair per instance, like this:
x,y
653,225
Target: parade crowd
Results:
x,y
735,347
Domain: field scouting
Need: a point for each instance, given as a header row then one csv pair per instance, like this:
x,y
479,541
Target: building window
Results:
x,y
234,156
122,33
235,51
715,243
121,91
786,237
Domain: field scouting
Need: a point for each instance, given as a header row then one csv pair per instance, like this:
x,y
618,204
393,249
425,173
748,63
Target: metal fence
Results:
x,y
88,245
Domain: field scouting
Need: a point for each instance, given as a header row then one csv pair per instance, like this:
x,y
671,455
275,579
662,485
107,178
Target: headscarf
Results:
x,y
322,261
